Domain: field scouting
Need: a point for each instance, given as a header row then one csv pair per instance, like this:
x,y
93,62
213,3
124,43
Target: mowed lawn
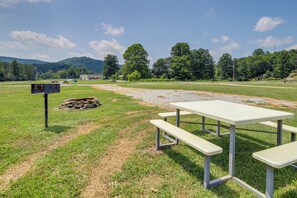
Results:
x,y
66,170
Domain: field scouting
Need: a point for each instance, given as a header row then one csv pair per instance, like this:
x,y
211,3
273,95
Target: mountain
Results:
x,y
21,60
89,63
94,65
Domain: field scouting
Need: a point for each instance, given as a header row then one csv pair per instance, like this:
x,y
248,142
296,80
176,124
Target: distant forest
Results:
x,y
27,69
15,71
183,64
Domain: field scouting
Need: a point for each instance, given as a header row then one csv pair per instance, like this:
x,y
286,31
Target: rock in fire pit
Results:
x,y
81,103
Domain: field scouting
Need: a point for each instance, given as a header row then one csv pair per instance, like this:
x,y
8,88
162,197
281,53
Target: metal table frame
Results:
x,y
232,142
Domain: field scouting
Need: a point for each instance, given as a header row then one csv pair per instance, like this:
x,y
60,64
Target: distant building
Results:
x,y
89,76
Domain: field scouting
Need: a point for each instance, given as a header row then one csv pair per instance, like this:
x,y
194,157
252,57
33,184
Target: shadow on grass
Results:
x,y
256,140
57,129
198,172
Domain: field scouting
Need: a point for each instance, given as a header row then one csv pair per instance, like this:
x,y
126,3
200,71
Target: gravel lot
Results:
x,y
162,98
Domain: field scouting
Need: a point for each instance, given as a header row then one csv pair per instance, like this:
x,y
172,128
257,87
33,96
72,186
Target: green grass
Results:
x,y
175,172
178,172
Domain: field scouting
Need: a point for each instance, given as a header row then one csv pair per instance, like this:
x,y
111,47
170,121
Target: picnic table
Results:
x,y
235,115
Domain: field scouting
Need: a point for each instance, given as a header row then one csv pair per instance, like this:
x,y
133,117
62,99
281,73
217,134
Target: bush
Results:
x,y
135,76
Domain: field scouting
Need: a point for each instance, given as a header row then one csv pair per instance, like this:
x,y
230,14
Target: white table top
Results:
x,y
232,113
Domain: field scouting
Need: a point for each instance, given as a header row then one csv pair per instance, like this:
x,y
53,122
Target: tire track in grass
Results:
x,y
18,170
113,161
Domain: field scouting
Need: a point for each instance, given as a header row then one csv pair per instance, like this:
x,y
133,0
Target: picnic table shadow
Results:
x,y
198,172
247,168
57,129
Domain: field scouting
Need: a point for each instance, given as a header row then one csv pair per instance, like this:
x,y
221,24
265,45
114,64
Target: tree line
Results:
x,y
183,64
69,72
198,64
16,71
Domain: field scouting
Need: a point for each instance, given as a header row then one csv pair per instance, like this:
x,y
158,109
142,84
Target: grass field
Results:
x,y
116,142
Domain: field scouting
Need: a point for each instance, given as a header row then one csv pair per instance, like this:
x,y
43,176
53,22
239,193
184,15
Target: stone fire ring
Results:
x,y
81,103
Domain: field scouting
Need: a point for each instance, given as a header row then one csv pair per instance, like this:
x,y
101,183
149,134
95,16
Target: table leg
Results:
x,y
293,137
269,182
218,128
279,132
177,117
232,150
203,123
177,122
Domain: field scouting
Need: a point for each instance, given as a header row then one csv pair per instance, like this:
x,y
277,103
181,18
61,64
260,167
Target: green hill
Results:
x,y
21,60
89,63
94,65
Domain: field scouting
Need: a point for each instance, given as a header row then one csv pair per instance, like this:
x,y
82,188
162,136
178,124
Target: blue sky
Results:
x,y
53,30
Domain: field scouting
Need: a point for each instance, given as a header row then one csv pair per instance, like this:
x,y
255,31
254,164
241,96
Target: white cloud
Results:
x,y
210,13
222,39
12,3
225,38
82,53
231,46
12,45
105,47
228,48
38,38
38,56
271,41
111,30
215,40
292,47
266,23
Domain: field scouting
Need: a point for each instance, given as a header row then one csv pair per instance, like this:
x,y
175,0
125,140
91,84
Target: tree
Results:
x,y
136,59
110,65
180,67
180,64
135,76
180,49
224,68
161,67
15,70
1,74
7,71
242,70
258,52
202,64
284,63
71,73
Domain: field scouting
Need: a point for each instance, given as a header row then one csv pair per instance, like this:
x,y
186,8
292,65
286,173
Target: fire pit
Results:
x,y
81,103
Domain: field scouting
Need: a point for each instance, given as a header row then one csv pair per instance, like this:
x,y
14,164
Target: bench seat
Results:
x,y
276,157
203,146
285,127
173,114
279,156
291,129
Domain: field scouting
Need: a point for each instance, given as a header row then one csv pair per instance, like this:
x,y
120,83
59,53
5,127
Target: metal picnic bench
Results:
x,y
201,145
238,114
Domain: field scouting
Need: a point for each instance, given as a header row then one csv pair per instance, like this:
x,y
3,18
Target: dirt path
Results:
x,y
164,97
112,162
18,170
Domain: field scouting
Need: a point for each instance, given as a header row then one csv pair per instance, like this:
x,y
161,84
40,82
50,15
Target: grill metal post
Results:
x,y
45,110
